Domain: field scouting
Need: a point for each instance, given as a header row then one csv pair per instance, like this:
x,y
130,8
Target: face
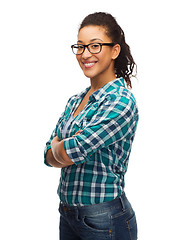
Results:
x,y
101,64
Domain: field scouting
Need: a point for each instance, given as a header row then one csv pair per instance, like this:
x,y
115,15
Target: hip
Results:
x,y
114,219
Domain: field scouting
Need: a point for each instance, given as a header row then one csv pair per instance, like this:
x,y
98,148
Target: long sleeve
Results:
x,y
54,133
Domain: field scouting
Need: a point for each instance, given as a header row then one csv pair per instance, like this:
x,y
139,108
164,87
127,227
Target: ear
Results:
x,y
115,51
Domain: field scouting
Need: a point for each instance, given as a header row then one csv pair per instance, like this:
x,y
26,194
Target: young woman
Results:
x,y
93,138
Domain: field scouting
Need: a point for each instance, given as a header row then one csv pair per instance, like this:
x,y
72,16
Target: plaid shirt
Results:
x,y
101,151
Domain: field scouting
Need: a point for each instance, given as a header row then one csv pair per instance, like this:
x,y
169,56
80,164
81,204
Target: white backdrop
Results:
x,y
38,73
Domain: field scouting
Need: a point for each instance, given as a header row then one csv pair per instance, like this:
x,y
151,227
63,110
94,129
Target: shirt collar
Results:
x,y
118,82
83,93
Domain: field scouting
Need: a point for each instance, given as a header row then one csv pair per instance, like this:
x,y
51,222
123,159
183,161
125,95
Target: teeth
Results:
x,y
89,64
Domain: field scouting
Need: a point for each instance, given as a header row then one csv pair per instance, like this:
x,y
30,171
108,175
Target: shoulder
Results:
x,y
122,96
121,104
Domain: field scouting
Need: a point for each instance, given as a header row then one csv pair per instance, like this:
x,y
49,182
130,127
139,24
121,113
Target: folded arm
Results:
x,y
51,161
59,154
56,156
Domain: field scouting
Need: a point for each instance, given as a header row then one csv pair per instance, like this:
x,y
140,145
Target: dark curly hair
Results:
x,y
124,63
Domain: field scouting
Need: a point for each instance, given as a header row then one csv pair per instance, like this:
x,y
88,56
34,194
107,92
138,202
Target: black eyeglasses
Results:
x,y
93,48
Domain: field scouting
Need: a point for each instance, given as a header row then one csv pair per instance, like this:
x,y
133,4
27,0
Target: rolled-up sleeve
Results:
x,y
48,144
55,132
115,120
47,147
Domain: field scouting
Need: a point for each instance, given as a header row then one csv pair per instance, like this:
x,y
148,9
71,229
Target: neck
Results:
x,y
99,81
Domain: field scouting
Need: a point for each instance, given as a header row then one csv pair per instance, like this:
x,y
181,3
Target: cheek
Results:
x,y
105,55
105,60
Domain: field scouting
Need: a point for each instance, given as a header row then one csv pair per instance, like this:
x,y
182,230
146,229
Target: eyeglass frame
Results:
x,y
87,46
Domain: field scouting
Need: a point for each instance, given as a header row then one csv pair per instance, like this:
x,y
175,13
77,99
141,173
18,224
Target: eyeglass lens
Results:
x,y
93,48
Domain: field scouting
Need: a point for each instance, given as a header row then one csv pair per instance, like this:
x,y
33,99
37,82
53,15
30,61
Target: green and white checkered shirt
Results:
x,y
101,151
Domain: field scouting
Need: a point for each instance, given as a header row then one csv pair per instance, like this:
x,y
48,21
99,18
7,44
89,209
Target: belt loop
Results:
x,y
122,201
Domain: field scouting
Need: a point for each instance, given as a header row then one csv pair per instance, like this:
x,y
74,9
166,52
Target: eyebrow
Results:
x,y
92,40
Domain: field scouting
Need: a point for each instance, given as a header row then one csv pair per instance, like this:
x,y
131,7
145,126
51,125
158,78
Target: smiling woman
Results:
x,y
98,54
93,138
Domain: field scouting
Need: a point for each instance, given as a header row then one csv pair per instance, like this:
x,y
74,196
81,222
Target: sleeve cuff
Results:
x,y
75,151
45,152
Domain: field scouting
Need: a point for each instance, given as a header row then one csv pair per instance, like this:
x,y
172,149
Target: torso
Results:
x,y
82,104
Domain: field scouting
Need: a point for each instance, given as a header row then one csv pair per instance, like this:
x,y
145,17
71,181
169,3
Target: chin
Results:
x,y
89,75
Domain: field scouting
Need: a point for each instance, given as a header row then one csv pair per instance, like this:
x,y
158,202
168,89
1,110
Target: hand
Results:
x,y
54,146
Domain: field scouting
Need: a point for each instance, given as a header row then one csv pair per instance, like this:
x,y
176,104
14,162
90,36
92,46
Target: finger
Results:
x,y
77,133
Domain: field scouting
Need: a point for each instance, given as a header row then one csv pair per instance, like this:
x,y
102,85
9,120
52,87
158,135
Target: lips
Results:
x,y
89,64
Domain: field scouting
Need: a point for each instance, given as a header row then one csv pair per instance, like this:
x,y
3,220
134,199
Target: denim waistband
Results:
x,y
90,210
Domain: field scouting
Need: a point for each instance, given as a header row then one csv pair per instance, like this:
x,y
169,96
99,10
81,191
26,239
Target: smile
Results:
x,y
89,64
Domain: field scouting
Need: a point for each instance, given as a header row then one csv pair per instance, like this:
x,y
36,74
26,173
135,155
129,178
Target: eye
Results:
x,y
95,45
79,47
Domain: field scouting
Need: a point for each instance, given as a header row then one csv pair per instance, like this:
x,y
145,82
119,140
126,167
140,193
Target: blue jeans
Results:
x,y
114,220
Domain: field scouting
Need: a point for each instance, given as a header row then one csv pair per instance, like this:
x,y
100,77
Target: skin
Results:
x,y
103,70
100,69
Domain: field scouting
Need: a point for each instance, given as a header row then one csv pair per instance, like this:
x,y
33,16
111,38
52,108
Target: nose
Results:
x,y
86,53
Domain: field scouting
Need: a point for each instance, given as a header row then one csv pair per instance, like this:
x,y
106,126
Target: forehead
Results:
x,y
88,33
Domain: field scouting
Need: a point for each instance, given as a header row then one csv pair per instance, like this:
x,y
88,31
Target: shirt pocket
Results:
x,y
90,115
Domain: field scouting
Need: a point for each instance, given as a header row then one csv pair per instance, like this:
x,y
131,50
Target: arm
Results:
x,y
57,156
114,121
51,160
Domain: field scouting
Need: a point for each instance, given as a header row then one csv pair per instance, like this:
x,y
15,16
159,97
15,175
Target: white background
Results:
x,y
38,73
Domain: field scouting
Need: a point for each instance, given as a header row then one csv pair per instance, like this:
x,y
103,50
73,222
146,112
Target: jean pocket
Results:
x,y
100,222
132,227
